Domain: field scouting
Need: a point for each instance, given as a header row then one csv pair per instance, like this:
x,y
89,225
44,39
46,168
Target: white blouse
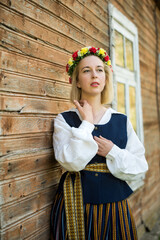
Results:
x,y
75,147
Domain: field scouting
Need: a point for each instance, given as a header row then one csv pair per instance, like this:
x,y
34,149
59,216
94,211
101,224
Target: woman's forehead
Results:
x,y
91,61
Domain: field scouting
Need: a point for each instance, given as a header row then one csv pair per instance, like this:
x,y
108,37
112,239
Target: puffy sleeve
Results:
x,y
128,164
73,147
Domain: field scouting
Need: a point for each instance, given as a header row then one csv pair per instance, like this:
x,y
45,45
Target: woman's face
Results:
x,y
91,77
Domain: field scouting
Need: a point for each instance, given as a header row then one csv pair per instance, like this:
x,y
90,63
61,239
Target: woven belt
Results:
x,y
73,198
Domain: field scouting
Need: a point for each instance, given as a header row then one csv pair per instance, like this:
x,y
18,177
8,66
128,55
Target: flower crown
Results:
x,y
84,52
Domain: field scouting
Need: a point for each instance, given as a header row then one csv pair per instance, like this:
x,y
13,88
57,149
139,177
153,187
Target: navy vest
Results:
x,y
102,187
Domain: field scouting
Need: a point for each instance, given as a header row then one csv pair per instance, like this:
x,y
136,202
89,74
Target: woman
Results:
x,y
101,153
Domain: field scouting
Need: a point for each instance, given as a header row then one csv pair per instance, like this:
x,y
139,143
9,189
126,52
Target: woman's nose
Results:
x,y
94,74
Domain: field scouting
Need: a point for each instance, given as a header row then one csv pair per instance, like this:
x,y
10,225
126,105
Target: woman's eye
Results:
x,y
100,70
87,70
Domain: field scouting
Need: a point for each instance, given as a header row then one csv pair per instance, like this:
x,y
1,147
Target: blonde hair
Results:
x,y
107,93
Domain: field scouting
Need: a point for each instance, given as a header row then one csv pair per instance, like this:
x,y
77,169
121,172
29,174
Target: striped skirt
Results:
x,y
110,221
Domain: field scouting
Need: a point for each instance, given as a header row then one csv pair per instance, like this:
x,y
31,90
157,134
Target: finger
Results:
x,y
76,103
105,139
98,139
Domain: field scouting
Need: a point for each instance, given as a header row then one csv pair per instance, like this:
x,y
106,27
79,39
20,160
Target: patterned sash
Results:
x,y
73,198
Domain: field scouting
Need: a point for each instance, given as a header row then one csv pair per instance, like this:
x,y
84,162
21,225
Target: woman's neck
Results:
x,y
97,108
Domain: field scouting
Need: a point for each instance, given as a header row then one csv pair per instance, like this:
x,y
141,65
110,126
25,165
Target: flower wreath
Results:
x,y
84,52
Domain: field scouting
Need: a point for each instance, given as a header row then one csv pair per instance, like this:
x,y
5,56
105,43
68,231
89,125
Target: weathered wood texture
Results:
x,y
37,38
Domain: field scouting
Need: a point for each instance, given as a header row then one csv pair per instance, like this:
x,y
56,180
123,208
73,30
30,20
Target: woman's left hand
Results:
x,y
104,145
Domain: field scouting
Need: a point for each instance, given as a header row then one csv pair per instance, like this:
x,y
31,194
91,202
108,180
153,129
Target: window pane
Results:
x,y
129,54
119,50
132,105
121,98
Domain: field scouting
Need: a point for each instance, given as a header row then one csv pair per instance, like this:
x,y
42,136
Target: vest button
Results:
x,y
95,128
96,174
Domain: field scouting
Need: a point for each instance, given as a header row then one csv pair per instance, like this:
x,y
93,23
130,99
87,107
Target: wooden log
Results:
x,y
27,207
31,47
14,189
41,234
19,63
27,142
66,18
60,25
25,163
16,83
83,18
80,7
28,226
15,21
23,44
25,124
32,105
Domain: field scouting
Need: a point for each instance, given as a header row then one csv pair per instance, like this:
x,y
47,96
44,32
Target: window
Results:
x,y
126,75
125,61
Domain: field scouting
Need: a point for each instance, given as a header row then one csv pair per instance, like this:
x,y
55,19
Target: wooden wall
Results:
x,y
37,38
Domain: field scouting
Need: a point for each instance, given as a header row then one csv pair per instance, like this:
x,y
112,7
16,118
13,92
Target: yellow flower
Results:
x,y
70,62
109,62
83,51
102,51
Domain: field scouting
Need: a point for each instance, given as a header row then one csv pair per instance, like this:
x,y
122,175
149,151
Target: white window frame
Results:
x,y
120,23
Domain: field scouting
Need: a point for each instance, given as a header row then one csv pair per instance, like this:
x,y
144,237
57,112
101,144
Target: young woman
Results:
x,y
101,153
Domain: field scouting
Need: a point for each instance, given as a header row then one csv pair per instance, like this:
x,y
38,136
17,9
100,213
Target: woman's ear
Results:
x,y
78,84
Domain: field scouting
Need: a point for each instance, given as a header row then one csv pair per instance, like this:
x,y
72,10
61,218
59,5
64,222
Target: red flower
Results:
x,y
75,55
70,80
106,58
92,49
111,68
67,68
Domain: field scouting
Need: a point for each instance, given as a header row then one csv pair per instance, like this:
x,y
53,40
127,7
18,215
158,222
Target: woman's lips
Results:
x,y
94,84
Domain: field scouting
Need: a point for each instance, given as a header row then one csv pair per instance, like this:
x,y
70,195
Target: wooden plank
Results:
x,y
47,19
22,104
27,207
14,189
15,21
24,124
17,83
25,163
18,63
76,6
151,135
43,233
67,18
23,44
28,142
75,12
27,227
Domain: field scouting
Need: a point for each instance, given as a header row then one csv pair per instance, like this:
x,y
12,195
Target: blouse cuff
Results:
x,y
87,125
113,153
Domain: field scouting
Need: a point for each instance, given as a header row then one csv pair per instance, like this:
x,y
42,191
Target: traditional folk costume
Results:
x,y
91,203
91,200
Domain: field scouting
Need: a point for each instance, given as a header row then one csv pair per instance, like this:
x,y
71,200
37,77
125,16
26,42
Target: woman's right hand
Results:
x,y
85,110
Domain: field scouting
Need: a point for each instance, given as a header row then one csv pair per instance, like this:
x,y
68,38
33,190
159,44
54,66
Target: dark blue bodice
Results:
x,y
102,187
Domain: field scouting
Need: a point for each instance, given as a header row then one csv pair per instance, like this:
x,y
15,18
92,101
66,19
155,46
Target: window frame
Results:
x,y
117,21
